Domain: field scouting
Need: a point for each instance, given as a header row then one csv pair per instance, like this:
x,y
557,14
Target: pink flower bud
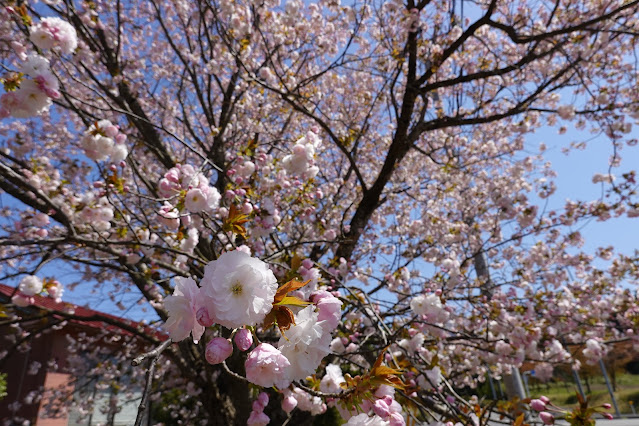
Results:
x,y
547,418
218,350
247,208
243,339
258,419
606,406
607,416
537,405
257,407
289,403
263,399
545,399
203,317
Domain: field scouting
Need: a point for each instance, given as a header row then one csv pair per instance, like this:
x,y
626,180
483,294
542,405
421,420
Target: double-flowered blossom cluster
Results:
x,y
186,187
381,409
103,140
55,34
237,291
32,285
29,92
301,161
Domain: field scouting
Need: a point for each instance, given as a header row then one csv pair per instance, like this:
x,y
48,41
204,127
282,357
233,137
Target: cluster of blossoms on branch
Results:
x,y
29,92
31,285
189,188
241,293
103,140
581,415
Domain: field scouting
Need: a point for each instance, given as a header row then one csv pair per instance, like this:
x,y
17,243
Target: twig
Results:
x,y
233,373
288,419
324,394
155,354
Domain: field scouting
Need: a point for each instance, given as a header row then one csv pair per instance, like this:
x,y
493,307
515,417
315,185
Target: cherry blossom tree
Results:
x,y
326,206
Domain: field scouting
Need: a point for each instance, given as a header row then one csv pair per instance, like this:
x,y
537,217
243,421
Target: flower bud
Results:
x,y
247,208
289,403
607,416
243,339
606,406
537,405
262,398
257,419
218,350
545,399
257,407
547,418
203,317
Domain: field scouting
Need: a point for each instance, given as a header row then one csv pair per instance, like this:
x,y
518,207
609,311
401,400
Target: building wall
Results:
x,y
19,382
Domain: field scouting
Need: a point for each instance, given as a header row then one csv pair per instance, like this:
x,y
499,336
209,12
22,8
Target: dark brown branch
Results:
x,y
155,353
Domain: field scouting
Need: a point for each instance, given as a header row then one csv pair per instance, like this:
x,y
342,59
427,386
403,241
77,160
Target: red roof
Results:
x,y
95,319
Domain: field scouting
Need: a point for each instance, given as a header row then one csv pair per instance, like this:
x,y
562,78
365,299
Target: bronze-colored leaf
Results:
x,y
284,289
235,221
281,316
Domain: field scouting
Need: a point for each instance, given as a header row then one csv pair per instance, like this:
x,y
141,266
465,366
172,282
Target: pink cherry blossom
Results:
x,y
240,288
52,33
182,308
266,366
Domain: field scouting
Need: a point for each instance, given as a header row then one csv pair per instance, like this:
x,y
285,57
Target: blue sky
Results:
x,y
574,181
